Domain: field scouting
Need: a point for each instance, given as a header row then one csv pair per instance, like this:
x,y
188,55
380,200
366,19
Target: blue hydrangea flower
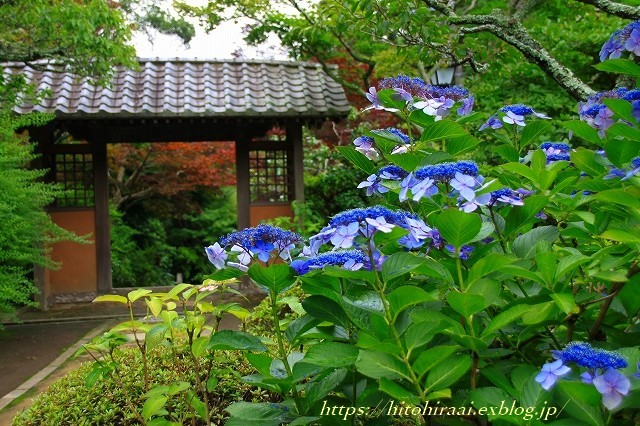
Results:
x,y
372,96
513,118
634,169
467,106
637,373
585,355
550,374
551,148
506,196
465,251
373,185
587,377
598,115
419,232
216,255
465,185
612,48
412,85
392,172
438,107
493,122
615,173
521,110
423,188
613,385
633,42
344,235
346,226
364,145
259,241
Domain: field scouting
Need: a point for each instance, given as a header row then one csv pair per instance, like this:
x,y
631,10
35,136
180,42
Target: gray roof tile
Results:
x,y
186,87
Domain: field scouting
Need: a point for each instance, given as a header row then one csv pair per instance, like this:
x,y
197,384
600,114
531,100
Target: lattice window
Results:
x,y
74,172
270,176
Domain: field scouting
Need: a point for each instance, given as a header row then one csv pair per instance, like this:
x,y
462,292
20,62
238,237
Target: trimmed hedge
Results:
x,y
69,401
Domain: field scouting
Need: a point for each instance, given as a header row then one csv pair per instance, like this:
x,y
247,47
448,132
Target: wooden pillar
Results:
x,y
243,188
102,233
294,137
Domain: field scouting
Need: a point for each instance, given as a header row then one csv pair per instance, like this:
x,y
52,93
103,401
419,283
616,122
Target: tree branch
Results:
x,y
510,30
614,8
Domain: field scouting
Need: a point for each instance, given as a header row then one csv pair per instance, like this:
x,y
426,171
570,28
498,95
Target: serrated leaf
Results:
x,y
332,354
235,340
580,400
466,304
377,365
618,196
585,161
275,278
524,215
357,159
507,152
155,336
325,309
443,129
299,326
153,405
399,264
432,357
319,388
405,296
490,263
398,392
520,169
138,293
619,66
461,144
533,131
566,302
524,245
447,372
458,228
505,318
621,152
583,130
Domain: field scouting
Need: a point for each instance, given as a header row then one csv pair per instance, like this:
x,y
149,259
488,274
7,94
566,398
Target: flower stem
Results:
x,y
282,353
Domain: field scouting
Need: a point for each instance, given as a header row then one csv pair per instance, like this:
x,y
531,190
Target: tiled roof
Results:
x,y
192,88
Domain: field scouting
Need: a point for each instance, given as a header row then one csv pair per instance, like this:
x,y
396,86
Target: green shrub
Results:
x,y
69,401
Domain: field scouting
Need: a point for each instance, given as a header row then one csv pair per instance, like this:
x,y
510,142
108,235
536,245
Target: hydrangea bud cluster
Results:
x,y
261,242
627,39
601,371
556,151
511,114
435,101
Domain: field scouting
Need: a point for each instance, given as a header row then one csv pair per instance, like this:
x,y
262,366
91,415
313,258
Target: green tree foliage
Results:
x,y
159,238
88,36
26,231
540,50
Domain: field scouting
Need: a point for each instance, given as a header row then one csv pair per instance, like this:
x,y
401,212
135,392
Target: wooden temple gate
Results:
x,y
170,101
